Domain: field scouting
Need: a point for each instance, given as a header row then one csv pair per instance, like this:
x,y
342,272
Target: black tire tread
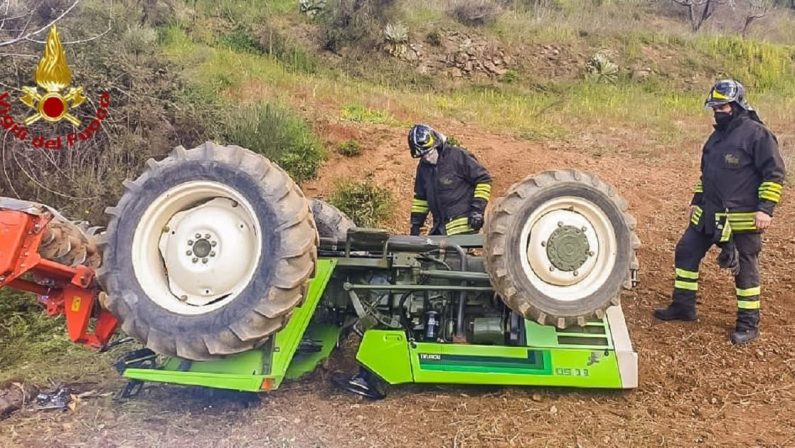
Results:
x,y
498,223
293,269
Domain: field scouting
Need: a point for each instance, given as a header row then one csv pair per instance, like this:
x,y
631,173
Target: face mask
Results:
x,y
431,157
722,119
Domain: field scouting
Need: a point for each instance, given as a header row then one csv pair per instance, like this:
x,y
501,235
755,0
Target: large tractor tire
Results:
x,y
207,252
331,222
559,247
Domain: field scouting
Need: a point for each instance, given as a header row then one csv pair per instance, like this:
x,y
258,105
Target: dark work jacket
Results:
x,y
449,188
742,172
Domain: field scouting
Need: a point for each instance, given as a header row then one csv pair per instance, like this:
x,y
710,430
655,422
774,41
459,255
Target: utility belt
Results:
x,y
726,222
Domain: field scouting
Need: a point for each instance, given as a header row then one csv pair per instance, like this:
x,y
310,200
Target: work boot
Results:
x,y
676,311
747,328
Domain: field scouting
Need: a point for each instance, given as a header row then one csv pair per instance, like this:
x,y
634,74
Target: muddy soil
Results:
x,y
696,389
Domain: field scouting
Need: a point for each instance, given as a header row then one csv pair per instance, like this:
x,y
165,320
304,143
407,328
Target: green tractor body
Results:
x,y
426,313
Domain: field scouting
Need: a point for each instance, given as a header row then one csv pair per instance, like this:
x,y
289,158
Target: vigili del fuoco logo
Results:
x,y
52,100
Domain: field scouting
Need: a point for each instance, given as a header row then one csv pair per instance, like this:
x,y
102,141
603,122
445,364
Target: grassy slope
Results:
x,y
657,109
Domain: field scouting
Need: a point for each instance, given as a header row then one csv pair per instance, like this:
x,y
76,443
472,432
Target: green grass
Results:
x,y
759,65
41,350
532,109
279,135
361,114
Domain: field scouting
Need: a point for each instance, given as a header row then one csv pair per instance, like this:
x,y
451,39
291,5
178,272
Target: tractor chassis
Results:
x,y
600,355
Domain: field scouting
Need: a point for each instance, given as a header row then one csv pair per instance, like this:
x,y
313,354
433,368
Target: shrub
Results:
x,y
474,12
434,38
284,49
452,141
278,135
356,22
365,202
350,148
240,39
138,39
510,76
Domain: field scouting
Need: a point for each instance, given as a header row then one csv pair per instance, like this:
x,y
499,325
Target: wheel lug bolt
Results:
x,y
188,253
590,253
212,254
195,260
543,244
213,243
576,273
584,228
190,242
204,260
560,223
183,298
551,268
207,236
198,235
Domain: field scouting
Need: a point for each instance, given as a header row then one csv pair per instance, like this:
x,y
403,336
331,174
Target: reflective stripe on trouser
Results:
x,y
690,250
458,225
747,281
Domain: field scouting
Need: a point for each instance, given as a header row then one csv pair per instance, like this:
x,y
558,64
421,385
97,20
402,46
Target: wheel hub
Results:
x,y
568,248
563,245
202,248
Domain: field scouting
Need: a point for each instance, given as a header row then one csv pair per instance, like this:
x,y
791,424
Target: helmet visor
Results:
x,y
722,93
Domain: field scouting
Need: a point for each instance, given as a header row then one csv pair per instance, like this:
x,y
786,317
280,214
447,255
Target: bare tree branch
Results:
x,y
700,11
79,41
756,10
25,36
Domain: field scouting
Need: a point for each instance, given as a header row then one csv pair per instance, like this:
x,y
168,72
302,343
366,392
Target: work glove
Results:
x,y
729,257
475,220
415,230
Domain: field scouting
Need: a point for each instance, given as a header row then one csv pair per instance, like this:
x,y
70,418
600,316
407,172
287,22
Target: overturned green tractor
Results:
x,y
216,261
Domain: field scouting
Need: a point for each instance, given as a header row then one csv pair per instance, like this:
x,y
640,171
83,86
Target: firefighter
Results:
x,y
450,184
742,174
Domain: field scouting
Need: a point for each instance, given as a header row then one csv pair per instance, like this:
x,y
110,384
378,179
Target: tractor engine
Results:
x,y
434,288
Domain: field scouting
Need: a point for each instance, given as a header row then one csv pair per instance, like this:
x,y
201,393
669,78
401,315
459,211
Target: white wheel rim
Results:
x,y
196,247
579,213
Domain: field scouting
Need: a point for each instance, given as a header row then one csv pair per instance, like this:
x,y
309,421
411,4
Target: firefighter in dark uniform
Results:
x,y
450,184
454,188
742,174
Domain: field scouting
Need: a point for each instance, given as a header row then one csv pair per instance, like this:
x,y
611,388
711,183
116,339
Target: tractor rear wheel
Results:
x,y
208,251
559,247
331,222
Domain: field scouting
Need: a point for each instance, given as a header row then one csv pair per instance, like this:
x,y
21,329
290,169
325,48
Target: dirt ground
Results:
x,y
696,389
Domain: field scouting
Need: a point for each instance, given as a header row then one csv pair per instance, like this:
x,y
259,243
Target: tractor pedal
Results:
x,y
141,359
364,384
130,390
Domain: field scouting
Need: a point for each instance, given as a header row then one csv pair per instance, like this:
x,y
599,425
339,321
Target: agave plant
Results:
x,y
312,7
397,38
601,69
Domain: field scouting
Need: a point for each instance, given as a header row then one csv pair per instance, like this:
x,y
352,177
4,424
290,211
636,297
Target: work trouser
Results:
x,y
692,248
